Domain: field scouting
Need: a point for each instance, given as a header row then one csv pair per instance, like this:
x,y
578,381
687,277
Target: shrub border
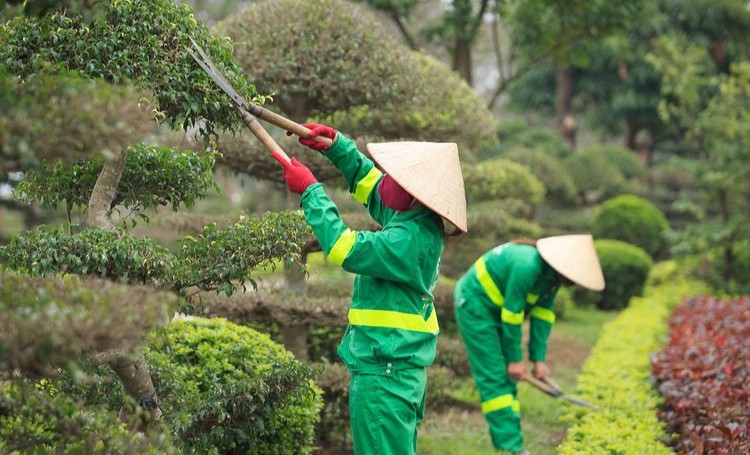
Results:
x,y
616,377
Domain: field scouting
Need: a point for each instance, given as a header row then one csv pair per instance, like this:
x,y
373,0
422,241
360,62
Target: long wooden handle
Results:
x,y
263,136
543,386
283,122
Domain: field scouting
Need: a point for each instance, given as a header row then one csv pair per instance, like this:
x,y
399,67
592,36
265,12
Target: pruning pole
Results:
x,y
263,136
285,123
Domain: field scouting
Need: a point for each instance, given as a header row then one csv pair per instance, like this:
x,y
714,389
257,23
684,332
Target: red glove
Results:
x,y
298,177
316,130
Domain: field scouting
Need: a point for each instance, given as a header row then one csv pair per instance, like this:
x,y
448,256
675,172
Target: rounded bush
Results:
x,y
226,388
498,179
623,158
633,220
595,177
559,186
626,268
519,134
335,72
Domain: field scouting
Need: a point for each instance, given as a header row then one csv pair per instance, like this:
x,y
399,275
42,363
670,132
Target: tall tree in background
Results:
x,y
565,33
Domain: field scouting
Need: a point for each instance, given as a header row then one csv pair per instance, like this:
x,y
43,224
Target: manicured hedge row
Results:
x,y
616,378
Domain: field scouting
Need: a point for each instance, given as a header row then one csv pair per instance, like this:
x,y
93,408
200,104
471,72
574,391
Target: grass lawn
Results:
x,y
459,431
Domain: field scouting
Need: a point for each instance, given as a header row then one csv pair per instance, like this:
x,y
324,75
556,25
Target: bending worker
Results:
x,y
492,298
393,328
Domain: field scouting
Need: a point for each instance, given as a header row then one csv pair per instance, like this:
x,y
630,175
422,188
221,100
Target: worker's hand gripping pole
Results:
x,y
285,123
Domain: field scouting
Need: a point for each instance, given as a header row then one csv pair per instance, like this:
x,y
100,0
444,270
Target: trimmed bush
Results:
x,y
626,268
559,186
633,220
133,41
623,158
595,177
519,134
229,389
335,72
36,418
49,323
500,179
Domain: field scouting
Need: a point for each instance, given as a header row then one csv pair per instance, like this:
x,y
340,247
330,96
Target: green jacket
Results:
x,y
392,320
515,279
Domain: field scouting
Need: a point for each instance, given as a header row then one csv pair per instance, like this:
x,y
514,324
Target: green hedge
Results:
x,y
616,378
625,267
226,388
634,220
35,418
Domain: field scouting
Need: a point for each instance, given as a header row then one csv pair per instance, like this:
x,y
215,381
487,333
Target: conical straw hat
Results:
x,y
429,171
574,257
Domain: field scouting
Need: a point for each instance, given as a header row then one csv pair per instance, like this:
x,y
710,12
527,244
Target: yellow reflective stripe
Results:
x,y
342,247
509,317
543,314
365,186
501,402
531,299
488,284
394,320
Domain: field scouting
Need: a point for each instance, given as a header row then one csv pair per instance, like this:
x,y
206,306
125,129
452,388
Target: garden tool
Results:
x,y
548,386
246,108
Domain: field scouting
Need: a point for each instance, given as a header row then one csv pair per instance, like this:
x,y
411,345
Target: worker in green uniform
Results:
x,y
392,332
493,297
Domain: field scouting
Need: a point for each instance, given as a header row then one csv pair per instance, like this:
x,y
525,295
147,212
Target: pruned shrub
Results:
x,y
500,179
229,389
559,187
626,268
36,418
337,77
595,177
623,158
132,41
519,134
48,323
633,220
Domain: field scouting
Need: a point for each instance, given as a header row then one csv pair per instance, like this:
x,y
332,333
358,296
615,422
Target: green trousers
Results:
x,y
385,411
480,325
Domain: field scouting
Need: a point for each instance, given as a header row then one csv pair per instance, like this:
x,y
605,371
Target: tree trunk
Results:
x,y
564,119
105,190
131,369
462,60
136,382
294,336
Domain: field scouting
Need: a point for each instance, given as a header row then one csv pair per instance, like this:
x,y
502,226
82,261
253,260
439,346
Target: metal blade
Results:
x,y
207,65
580,402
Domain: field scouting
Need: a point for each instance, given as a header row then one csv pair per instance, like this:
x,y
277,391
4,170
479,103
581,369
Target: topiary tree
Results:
x,y
139,50
625,267
335,70
633,220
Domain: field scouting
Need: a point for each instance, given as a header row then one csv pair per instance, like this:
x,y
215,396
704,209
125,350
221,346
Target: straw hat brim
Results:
x,y
575,258
429,171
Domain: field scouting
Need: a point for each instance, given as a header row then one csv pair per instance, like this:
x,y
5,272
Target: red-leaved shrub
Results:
x,y
703,373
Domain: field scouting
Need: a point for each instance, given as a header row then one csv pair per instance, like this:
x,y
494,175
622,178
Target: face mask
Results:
x,y
393,196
